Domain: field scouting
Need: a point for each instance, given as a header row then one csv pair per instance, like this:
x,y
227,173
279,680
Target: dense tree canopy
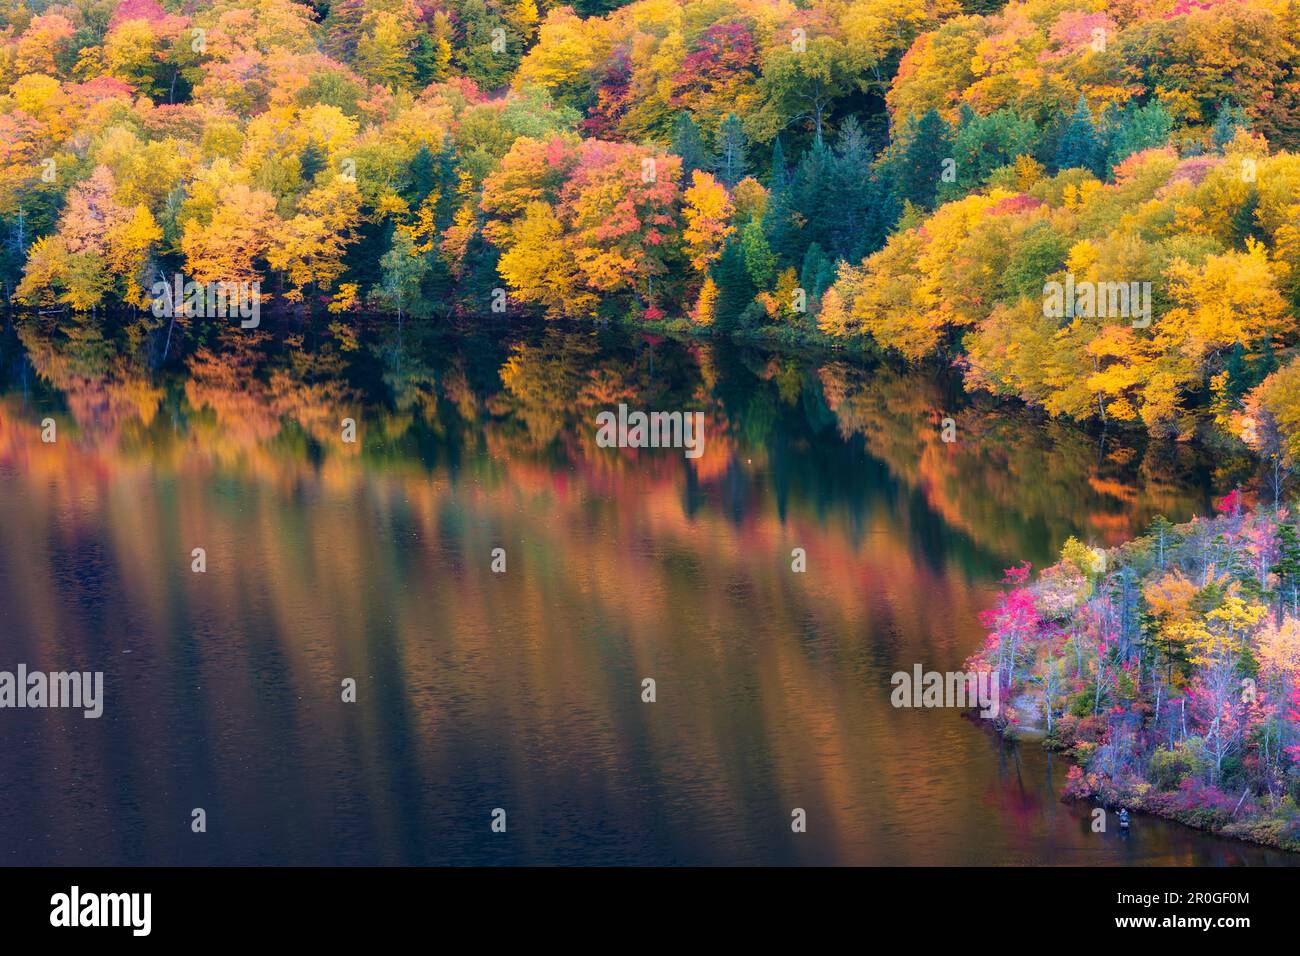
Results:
x,y
918,172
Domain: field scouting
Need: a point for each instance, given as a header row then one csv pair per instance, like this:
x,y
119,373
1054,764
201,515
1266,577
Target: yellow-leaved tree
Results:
x,y
707,210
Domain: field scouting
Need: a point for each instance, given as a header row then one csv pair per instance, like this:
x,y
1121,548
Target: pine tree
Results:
x,y
732,162
1227,121
447,171
782,233
917,166
817,272
884,208
1287,569
1131,128
688,144
421,177
815,201
1080,147
735,288
430,56
850,184
779,176
760,262
1163,536
310,162
779,224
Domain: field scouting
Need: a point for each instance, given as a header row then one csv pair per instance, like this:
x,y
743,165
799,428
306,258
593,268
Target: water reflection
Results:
x,y
521,690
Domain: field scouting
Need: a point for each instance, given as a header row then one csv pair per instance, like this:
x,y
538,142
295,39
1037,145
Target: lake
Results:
x,y
521,690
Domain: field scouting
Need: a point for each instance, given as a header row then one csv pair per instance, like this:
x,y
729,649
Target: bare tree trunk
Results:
x,y
1241,801
1101,669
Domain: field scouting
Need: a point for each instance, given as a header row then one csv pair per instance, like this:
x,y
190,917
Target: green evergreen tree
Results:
x,y
982,144
815,201
1132,128
816,274
1163,538
735,288
778,177
1287,569
424,57
311,161
779,224
732,162
1080,147
447,172
854,193
421,177
918,163
760,262
1227,121
688,144
1245,222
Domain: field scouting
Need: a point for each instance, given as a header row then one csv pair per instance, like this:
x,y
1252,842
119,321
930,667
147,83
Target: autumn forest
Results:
x,y
1053,238
902,174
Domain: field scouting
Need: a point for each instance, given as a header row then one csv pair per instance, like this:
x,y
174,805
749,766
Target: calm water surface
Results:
x,y
522,690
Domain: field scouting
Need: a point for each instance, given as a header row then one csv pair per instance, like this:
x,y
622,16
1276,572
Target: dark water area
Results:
x,y
522,690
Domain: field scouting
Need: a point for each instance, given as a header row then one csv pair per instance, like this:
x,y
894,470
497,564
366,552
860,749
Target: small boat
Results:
x,y
1123,819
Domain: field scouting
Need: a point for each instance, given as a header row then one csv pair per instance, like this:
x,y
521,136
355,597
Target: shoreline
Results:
x,y
1139,805
1070,793
1166,670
